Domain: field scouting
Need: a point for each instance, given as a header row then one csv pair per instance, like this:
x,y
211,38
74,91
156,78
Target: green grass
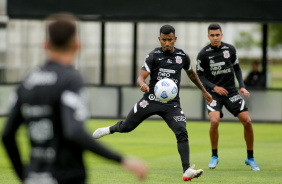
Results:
x,y
154,142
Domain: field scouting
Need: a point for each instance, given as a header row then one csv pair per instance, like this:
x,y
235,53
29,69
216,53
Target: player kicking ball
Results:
x,y
163,62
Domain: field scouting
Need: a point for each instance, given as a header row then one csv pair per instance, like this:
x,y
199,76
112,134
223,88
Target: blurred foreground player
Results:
x,y
163,62
216,65
51,102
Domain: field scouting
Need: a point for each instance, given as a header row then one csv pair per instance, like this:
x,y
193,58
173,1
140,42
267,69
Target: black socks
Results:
x,y
250,154
214,152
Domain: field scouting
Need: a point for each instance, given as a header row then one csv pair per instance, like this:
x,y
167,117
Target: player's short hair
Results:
x,y
214,26
167,29
61,30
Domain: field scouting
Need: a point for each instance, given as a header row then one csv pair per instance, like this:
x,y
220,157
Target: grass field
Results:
x,y
154,142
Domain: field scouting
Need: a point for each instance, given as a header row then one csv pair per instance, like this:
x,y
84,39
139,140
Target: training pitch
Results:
x,y
155,143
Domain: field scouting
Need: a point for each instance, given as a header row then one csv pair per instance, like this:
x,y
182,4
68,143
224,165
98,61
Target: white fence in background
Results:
x,y
117,101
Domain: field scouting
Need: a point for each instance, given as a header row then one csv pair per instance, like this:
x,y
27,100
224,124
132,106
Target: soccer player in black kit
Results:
x,y
163,62
51,102
216,65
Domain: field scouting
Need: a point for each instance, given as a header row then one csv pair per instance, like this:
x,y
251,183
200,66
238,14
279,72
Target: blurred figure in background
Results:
x,y
255,78
51,102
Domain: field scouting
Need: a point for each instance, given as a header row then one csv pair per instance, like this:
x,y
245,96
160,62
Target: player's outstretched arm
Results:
x,y
138,167
141,81
195,79
8,137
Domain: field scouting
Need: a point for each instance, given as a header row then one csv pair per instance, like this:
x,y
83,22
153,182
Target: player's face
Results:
x,y
167,42
215,37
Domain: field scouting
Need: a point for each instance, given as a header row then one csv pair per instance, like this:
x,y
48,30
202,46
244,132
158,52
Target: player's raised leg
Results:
x,y
249,138
134,118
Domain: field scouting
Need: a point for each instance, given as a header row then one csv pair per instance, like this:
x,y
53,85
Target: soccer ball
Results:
x,y
165,90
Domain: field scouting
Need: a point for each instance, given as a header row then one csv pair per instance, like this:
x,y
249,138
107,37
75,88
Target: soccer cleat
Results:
x,y
251,162
190,173
100,132
213,163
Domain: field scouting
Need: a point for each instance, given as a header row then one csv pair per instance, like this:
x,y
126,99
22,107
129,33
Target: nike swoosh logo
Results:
x,y
161,59
211,57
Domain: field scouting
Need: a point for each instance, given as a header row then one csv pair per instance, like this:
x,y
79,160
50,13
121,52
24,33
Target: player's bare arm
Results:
x,y
244,92
220,90
141,80
195,79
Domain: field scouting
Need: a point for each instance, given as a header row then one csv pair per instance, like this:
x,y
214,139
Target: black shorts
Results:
x,y
146,107
233,102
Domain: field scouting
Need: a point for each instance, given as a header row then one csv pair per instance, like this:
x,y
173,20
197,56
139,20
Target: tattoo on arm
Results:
x,y
195,79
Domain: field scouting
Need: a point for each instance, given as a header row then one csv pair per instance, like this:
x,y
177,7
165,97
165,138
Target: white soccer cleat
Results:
x,y
190,173
100,132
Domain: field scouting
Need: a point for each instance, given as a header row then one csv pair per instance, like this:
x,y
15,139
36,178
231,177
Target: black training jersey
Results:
x,y
216,65
52,103
162,65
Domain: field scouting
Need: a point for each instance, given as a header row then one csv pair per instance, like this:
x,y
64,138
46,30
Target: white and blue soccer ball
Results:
x,y
165,90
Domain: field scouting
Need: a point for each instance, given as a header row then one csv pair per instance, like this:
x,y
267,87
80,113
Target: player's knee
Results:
x,y
247,122
214,123
182,137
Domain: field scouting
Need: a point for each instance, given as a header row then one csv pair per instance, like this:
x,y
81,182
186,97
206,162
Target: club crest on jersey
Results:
x,y
213,103
226,54
178,59
143,103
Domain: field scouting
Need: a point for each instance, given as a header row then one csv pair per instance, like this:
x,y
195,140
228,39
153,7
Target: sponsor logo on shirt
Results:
x,y
224,47
217,64
225,71
216,68
166,70
166,73
153,98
